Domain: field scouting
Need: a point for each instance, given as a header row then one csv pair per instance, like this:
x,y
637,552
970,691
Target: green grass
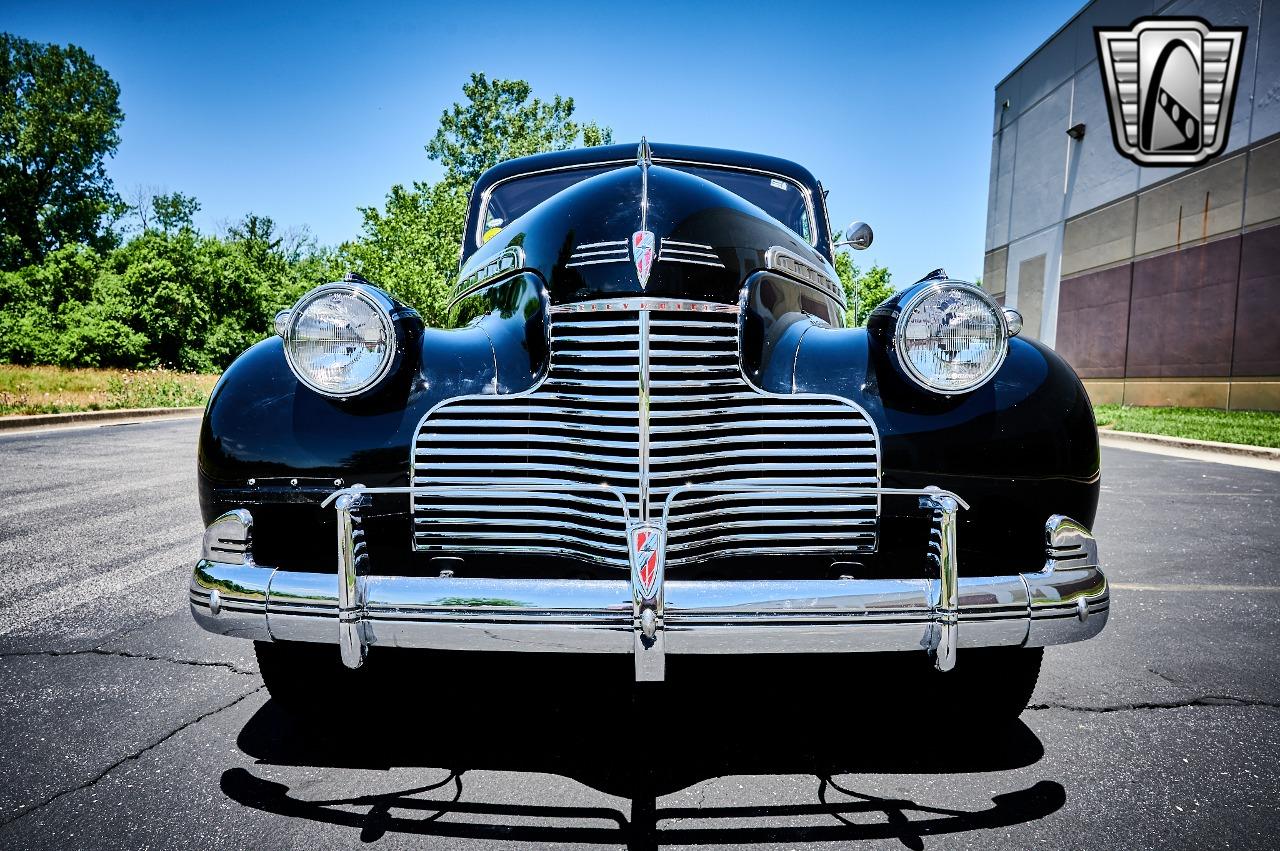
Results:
x,y
1256,428
54,390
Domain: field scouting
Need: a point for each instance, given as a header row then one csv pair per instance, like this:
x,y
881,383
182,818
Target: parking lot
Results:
x,y
124,725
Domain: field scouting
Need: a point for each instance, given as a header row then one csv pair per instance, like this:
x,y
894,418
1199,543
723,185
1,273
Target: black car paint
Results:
x,y
1019,448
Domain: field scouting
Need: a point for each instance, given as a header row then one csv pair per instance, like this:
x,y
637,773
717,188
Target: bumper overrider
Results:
x,y
1064,600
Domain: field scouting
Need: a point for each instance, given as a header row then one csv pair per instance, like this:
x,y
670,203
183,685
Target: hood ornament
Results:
x,y
643,248
643,244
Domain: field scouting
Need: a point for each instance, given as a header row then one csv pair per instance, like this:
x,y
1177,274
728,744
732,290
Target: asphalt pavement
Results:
x,y
124,725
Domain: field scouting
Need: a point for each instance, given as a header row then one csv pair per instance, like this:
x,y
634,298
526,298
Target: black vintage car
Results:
x,y
649,432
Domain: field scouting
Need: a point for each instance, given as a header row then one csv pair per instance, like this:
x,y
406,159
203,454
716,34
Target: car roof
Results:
x,y
660,152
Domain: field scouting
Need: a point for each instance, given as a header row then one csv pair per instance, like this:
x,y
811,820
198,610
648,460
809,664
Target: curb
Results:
x,y
20,421
1121,438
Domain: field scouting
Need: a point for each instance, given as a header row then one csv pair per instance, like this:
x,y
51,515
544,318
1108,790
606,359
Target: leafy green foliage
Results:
x,y
174,211
154,389
59,120
174,299
411,246
863,291
501,120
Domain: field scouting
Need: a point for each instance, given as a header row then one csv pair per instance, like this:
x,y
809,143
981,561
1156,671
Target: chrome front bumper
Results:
x,y
1065,600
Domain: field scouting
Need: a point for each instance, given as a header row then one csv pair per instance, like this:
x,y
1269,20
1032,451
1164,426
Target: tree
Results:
x,y
500,121
59,121
410,246
863,292
174,211
137,203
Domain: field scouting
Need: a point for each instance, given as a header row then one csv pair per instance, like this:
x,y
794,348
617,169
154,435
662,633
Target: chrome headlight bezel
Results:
x,y
904,317
369,296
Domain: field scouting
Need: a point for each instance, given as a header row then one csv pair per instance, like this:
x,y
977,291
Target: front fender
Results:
x,y
1019,449
262,424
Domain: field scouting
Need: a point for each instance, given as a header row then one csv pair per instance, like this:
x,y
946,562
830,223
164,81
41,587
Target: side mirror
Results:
x,y
857,235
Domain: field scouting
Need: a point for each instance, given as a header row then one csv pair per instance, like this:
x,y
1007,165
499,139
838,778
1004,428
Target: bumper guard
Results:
x,y
1065,600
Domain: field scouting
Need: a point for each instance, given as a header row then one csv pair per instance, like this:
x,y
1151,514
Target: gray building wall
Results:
x,y
1076,233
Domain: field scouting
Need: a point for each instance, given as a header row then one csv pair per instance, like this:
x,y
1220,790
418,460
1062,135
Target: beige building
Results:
x,y
1161,286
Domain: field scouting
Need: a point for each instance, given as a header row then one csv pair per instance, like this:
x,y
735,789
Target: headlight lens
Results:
x,y
951,337
339,340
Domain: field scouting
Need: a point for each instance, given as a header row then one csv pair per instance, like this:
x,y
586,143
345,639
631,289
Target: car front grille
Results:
x,y
590,422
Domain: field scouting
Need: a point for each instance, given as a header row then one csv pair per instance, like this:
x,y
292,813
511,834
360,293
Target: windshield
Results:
x,y
777,196
782,199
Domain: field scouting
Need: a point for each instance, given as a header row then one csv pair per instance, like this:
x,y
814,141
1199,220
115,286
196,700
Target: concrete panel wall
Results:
x,y
1207,202
1100,238
1201,393
1189,327
1182,318
1031,294
1093,322
1069,60
1046,70
1262,194
1257,339
998,205
1171,277
1265,120
993,271
1260,395
1039,166
1099,175
1044,244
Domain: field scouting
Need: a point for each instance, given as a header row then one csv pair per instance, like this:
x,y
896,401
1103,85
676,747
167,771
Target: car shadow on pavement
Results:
x,y
583,719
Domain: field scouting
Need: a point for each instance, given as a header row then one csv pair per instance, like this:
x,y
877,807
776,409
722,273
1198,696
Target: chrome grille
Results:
x,y
593,253
585,424
693,253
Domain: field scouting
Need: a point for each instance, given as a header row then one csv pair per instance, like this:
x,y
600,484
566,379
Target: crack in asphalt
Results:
x,y
1202,700
127,758
125,654
1166,677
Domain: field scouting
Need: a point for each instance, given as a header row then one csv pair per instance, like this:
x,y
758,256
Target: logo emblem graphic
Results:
x,y
643,247
647,557
1171,83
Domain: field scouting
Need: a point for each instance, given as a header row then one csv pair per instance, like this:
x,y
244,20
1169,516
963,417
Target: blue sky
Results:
x,y
305,112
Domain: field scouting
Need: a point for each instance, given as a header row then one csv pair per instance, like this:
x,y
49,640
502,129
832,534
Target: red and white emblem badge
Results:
x,y
643,249
647,556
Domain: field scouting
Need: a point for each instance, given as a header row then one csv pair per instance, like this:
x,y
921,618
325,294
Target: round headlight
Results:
x,y
339,340
951,337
